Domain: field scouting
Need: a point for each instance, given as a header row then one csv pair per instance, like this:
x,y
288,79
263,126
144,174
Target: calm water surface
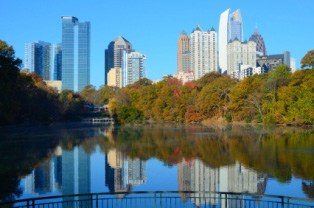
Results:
x,y
77,159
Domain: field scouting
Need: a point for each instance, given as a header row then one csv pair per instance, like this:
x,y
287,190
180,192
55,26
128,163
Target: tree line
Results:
x,y
279,97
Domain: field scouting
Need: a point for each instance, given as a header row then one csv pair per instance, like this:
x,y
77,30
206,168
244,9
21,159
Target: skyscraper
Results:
x,y
37,58
260,44
235,26
116,54
203,47
56,59
135,68
230,27
183,54
75,53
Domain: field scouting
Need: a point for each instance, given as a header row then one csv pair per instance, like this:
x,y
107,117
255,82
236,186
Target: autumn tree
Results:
x,y
214,98
246,99
90,94
308,60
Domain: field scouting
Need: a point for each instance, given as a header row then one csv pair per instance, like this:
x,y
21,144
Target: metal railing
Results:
x,y
159,199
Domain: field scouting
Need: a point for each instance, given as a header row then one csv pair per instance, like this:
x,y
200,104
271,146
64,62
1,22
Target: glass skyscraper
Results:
x,y
37,58
230,28
75,53
235,26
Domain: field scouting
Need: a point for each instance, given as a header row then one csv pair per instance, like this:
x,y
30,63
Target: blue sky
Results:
x,y
154,26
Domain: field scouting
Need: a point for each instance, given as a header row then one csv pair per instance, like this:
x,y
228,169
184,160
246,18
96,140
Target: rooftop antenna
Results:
x,y
256,28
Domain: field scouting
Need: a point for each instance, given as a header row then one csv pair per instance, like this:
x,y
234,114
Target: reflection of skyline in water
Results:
x,y
194,176
69,172
120,173
123,172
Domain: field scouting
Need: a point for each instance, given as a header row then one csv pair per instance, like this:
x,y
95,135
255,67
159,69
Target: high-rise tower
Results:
x,y
183,54
203,47
75,53
37,58
230,28
135,68
116,54
235,26
260,44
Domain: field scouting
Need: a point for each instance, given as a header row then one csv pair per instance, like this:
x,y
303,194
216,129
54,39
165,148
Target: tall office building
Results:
x,y
183,54
240,53
260,44
75,53
135,68
235,26
116,55
230,28
38,58
203,47
56,62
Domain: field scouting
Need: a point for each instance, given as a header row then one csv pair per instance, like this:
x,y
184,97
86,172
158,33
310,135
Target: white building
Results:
x,y
204,56
135,68
247,71
240,53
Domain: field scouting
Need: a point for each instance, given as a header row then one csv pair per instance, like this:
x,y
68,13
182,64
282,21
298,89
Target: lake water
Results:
x,y
76,159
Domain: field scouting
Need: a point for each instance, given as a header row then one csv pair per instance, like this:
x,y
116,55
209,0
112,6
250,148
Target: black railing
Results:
x,y
158,199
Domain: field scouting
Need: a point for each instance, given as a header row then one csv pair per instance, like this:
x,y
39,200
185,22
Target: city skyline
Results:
x,y
155,28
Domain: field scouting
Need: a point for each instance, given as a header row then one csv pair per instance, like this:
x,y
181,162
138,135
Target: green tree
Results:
x,y
9,75
296,101
279,77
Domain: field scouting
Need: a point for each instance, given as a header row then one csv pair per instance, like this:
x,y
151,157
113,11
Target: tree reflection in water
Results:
x,y
279,152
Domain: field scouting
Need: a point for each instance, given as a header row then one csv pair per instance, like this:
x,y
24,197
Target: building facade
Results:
x,y
135,68
240,53
203,46
230,27
114,77
183,54
56,62
75,53
38,59
270,62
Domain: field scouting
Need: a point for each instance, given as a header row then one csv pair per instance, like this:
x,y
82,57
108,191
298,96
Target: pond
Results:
x,y
79,158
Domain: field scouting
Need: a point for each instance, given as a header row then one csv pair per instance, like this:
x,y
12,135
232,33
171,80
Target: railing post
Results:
x,y
33,203
160,199
27,203
226,201
96,200
155,203
282,201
